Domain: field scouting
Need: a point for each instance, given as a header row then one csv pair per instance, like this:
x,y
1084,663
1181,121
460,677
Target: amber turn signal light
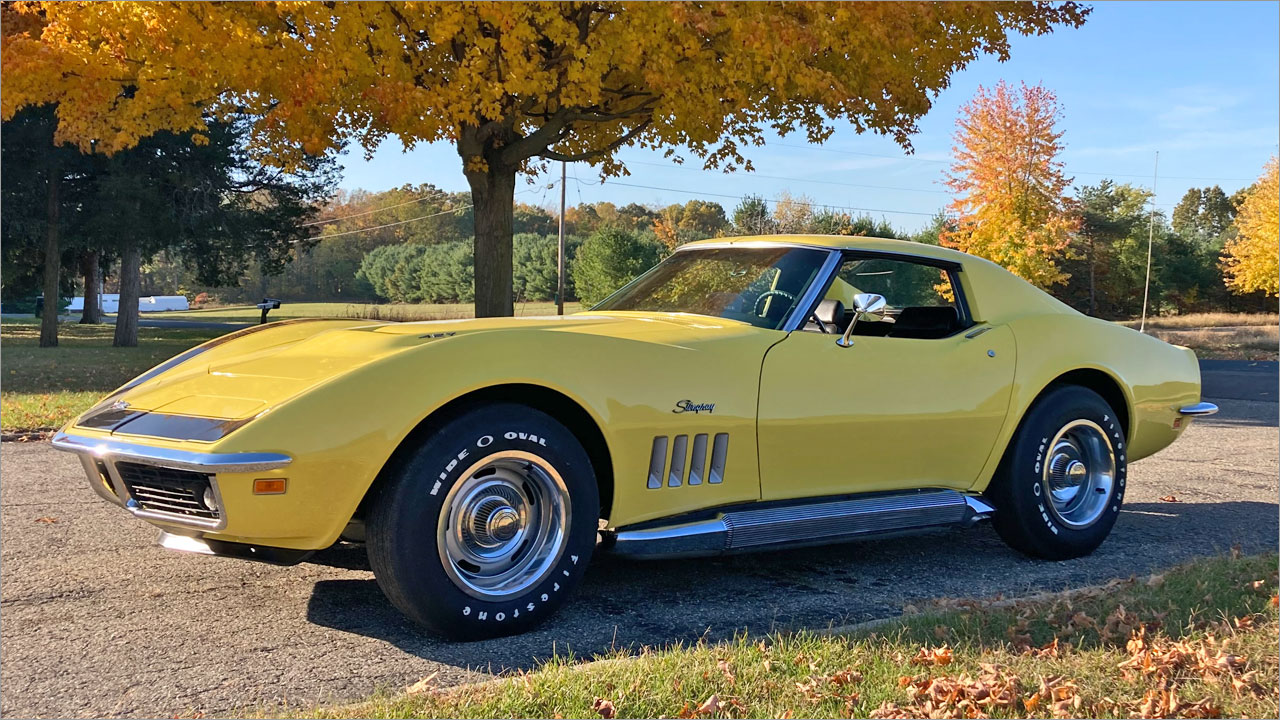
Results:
x,y
268,486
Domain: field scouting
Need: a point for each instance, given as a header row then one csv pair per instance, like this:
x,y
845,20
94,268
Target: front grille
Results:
x,y
165,490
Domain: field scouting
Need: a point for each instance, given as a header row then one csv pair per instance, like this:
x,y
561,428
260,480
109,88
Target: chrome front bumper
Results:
x,y
100,456
1199,409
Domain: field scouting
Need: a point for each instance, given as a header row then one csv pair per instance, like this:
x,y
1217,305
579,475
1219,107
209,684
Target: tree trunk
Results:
x,y
130,286
493,195
52,261
90,266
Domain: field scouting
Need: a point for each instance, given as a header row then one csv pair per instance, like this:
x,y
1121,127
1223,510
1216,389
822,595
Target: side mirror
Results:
x,y
866,306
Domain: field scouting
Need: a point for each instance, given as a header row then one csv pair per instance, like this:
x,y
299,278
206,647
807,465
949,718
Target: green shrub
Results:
x,y
446,274
609,259
534,259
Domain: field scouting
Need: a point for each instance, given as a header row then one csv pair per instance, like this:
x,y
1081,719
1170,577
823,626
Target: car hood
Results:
x,y
245,374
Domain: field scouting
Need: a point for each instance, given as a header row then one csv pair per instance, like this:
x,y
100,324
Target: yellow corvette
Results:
x,y
745,394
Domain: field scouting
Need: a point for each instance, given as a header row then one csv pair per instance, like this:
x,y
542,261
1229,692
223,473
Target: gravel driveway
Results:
x,y
97,620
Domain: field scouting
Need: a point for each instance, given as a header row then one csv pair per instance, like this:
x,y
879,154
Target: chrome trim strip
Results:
x,y
219,548
822,278
843,518
95,479
706,537
170,458
184,543
1199,409
819,522
979,506
977,331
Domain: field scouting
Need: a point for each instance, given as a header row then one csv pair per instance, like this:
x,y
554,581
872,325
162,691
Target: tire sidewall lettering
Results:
x,y
545,595
528,605
1037,476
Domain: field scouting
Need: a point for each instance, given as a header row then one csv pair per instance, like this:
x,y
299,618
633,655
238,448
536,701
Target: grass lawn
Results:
x,y
1197,641
1221,336
43,388
1245,342
400,312
1204,320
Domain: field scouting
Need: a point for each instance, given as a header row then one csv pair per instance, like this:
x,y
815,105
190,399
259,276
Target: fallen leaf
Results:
x,y
1155,581
933,656
423,685
848,676
604,708
709,706
46,520
1236,551
1170,498
727,671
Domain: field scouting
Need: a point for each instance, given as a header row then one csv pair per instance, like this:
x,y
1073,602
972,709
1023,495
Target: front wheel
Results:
x,y
486,527
1059,489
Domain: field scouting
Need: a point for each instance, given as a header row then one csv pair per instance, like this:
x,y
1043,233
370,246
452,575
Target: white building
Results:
x,y
110,302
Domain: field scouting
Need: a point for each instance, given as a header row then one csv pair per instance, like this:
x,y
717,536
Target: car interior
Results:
x,y
920,300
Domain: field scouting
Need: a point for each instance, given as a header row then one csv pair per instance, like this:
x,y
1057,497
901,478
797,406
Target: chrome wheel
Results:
x,y
1079,471
503,525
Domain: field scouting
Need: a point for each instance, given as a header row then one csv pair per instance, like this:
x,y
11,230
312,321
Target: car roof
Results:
x,y
844,242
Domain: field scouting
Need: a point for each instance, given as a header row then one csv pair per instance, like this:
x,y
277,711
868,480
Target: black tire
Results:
x,y
404,546
1027,517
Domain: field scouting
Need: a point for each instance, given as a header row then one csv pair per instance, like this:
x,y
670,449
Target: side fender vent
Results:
x,y
681,466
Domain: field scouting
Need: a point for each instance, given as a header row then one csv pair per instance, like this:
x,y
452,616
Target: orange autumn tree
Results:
x,y
1251,261
512,85
1011,205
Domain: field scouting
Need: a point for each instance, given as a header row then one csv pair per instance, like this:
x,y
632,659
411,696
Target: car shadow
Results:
x,y
628,604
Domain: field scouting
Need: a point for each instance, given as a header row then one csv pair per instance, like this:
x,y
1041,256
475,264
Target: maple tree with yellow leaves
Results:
x,y
513,85
1011,205
1251,261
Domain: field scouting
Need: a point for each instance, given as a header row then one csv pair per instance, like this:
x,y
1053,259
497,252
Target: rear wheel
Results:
x,y
487,526
1059,489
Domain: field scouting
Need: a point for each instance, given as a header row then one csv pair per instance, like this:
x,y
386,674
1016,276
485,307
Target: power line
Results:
x,y
792,179
948,162
379,227
772,200
437,194
403,222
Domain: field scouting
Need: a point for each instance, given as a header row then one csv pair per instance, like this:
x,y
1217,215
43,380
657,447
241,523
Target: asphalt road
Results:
x,y
97,620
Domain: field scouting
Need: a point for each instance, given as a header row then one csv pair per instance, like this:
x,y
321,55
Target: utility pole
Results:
x,y
560,254
1151,236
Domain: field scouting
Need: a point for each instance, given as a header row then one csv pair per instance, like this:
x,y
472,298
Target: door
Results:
x,y
916,400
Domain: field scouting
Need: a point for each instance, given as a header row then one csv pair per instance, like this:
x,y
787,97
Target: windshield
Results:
x,y
757,285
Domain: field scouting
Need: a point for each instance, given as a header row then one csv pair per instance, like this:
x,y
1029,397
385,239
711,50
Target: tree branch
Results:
x,y
550,154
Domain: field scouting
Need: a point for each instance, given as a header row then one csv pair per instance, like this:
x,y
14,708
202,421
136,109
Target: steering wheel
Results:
x,y
768,294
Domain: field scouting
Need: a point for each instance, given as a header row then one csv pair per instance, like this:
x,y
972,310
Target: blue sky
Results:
x,y
1198,81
